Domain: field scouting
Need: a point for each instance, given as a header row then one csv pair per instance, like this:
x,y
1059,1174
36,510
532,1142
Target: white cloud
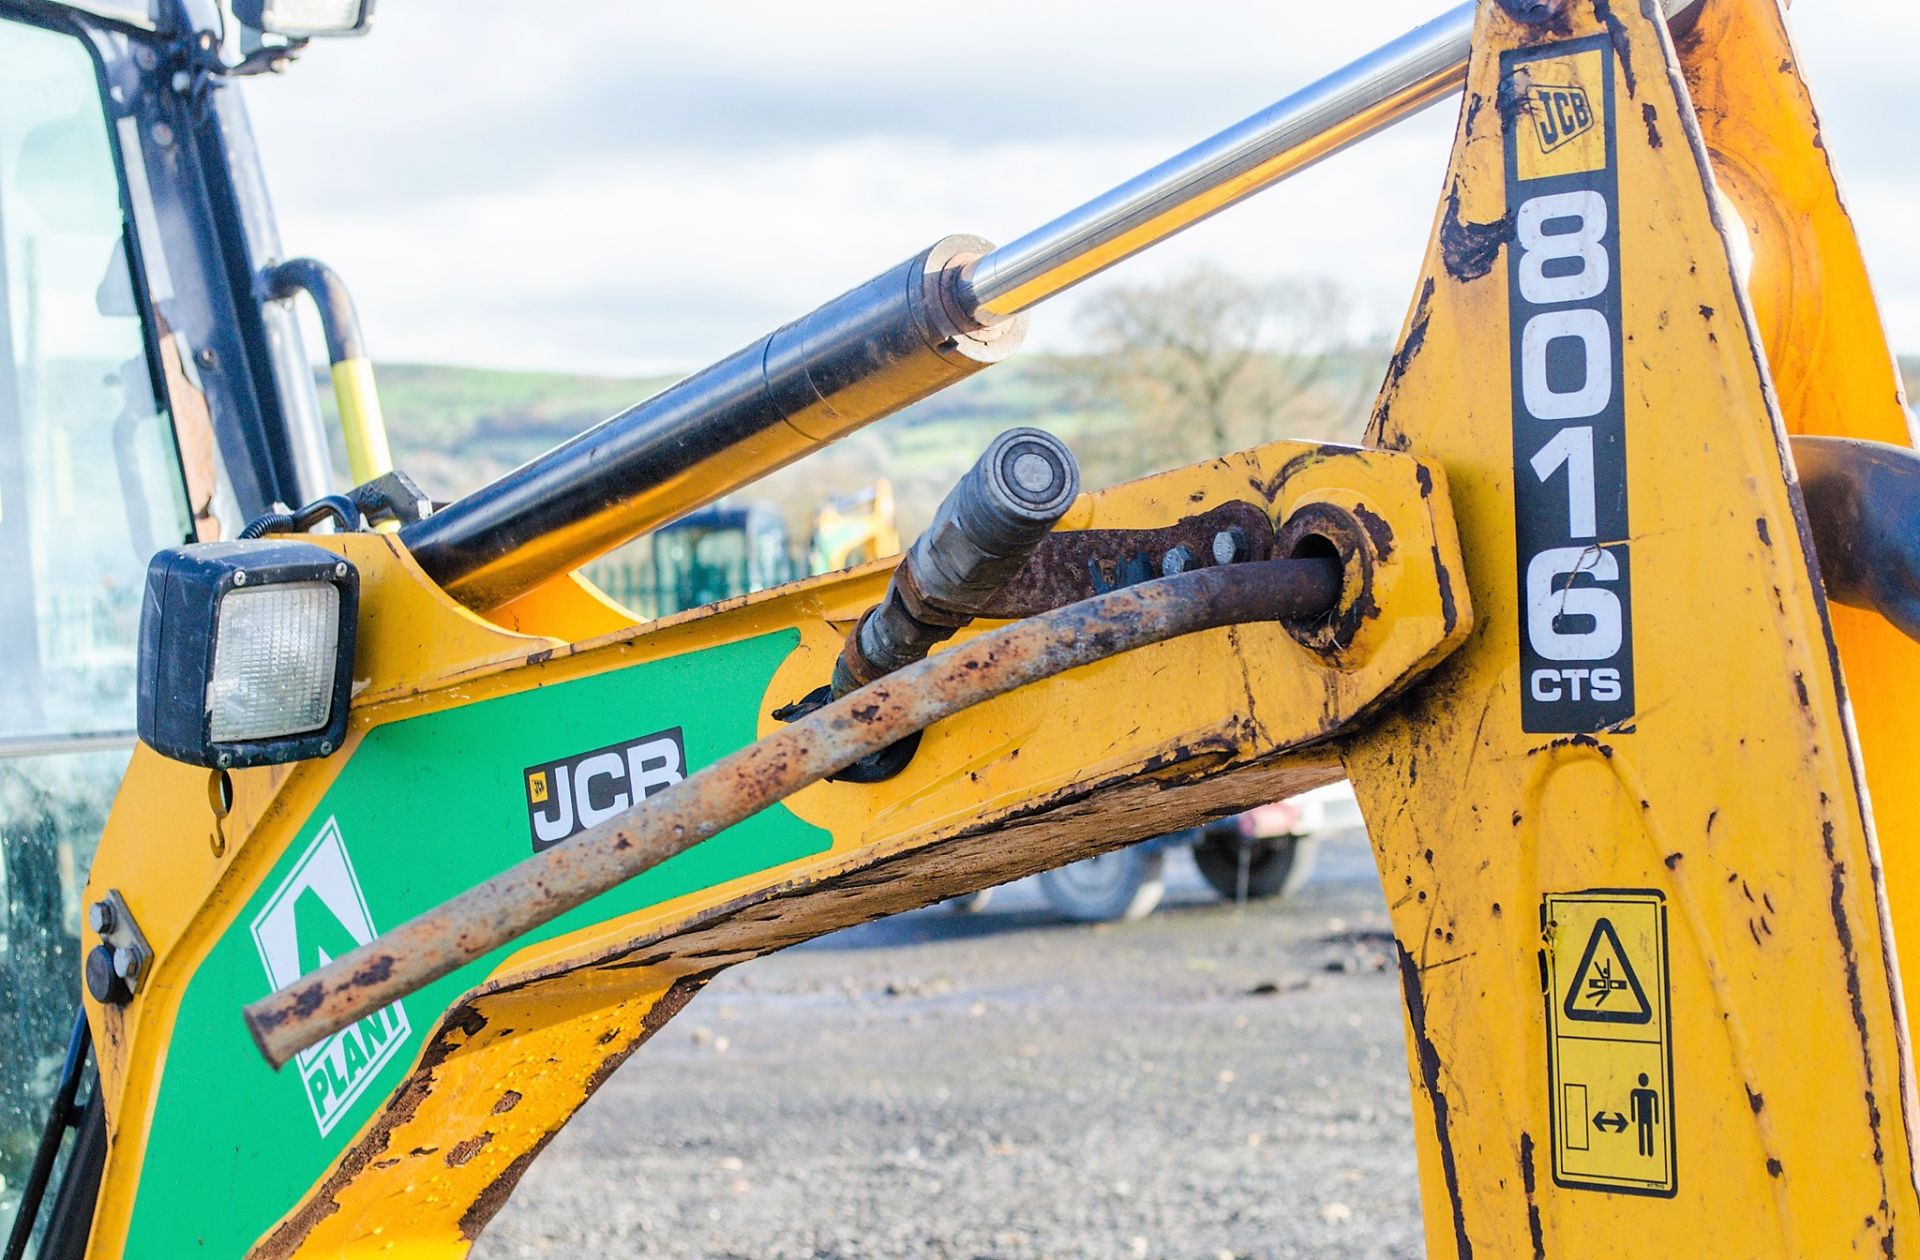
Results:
x,y
646,187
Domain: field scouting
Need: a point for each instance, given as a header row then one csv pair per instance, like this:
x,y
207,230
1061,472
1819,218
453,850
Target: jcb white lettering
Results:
x,y
654,766
611,766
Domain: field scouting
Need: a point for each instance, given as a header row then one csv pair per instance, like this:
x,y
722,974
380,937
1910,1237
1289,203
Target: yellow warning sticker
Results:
x,y
1609,1041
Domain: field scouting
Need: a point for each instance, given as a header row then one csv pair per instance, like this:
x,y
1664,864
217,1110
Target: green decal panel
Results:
x,y
426,809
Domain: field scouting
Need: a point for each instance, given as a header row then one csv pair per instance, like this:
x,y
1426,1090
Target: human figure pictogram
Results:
x,y
1644,1107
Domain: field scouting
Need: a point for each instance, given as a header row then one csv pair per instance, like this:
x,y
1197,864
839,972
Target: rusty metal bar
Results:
x,y
743,783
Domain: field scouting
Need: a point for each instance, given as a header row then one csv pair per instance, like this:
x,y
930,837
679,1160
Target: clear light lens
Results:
x,y
310,17
273,661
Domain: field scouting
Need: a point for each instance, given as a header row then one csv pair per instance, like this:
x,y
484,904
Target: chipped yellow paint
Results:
x,y
1730,790
1833,372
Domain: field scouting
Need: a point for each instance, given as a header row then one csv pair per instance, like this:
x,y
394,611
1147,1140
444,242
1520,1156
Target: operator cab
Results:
x,y
147,398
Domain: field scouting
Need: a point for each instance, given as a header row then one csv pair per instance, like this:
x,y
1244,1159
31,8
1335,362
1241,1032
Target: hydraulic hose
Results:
x,y
535,891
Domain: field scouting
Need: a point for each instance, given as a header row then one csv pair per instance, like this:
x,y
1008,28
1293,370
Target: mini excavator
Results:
x,y
1610,620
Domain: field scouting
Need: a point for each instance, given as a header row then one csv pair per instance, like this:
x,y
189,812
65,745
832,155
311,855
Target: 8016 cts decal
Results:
x,y
1569,424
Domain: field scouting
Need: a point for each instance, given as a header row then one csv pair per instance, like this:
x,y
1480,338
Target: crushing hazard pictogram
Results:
x,y
1605,989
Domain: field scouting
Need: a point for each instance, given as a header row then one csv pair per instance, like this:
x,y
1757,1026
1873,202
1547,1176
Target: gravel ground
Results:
x,y
1205,1083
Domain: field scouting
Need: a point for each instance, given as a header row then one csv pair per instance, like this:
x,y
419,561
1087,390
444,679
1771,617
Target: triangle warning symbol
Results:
x,y
1604,988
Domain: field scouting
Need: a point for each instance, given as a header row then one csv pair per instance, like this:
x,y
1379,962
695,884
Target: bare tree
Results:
x,y
1207,363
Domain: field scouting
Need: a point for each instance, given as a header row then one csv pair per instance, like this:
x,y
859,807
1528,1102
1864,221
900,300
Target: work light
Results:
x,y
303,19
246,652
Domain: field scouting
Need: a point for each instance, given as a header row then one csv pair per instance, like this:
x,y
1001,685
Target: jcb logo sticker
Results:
x,y
1559,114
566,797
1561,103
1569,412
317,914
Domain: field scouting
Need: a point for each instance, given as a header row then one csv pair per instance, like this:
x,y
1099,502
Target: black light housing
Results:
x,y
246,652
304,19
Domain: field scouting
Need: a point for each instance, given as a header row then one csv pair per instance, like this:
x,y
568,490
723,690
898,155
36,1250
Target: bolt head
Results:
x,y
1229,546
240,578
1177,560
340,570
127,963
326,747
100,917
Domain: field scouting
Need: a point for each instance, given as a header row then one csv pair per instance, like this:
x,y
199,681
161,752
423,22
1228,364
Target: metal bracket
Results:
x,y
118,965
1075,564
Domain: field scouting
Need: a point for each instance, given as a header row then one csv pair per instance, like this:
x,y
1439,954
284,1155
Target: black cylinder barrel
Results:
x,y
864,355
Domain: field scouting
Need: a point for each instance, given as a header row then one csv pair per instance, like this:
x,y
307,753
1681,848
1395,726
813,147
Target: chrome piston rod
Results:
x,y
1383,87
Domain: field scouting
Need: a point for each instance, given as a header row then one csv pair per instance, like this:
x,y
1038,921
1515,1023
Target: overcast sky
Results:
x,y
605,185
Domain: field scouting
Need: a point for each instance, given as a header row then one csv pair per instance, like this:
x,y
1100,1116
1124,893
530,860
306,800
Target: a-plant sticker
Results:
x,y
317,914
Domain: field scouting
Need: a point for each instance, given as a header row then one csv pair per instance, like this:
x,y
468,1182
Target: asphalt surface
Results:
x,y
1209,1082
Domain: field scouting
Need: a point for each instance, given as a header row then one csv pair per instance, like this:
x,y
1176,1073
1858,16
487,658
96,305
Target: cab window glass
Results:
x,y
89,488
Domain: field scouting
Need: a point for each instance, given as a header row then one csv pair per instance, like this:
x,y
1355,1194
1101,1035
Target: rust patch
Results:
x,y
1837,904
1075,564
1622,45
460,1152
508,1101
1533,1208
461,1025
1429,1060
1449,612
493,1196
1377,529
1378,427
1574,741
1760,527
1536,12
1470,249
1650,117
376,970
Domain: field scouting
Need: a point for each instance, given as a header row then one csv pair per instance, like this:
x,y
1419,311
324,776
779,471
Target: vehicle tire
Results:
x,y
1275,866
969,903
1123,885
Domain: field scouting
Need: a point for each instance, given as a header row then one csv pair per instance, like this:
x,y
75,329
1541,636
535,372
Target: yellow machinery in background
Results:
x,y
1608,621
854,528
